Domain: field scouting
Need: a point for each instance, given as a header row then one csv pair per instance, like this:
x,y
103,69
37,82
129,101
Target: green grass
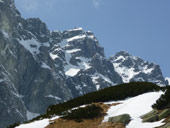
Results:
x,y
114,93
88,112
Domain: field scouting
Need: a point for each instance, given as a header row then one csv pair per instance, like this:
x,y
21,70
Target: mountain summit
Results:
x,y
132,68
39,67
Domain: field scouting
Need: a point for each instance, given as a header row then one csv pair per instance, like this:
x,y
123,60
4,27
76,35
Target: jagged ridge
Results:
x,y
41,67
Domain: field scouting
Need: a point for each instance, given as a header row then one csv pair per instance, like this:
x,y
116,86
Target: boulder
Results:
x,y
151,116
124,118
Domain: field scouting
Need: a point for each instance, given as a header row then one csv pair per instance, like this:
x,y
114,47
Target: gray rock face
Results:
x,y
151,116
44,68
11,104
39,68
132,68
167,81
156,115
124,119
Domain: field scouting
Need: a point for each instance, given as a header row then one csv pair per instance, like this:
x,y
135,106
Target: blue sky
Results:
x,y
140,27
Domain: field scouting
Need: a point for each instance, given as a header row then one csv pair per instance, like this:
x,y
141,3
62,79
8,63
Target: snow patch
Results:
x,y
18,95
136,107
55,97
63,43
54,56
76,29
97,87
19,112
72,72
125,73
31,115
84,64
38,124
76,38
1,80
147,70
31,45
5,34
73,51
120,58
94,79
44,65
97,76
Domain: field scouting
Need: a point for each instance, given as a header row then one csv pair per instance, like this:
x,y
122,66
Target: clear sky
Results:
x,y
140,27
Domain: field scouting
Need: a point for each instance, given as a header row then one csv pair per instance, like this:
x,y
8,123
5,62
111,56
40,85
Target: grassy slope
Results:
x,y
113,93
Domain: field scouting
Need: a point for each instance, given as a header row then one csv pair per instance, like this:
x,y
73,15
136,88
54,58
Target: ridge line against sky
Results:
x,y
140,27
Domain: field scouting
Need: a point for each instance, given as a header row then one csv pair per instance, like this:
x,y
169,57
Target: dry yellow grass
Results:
x,y
93,123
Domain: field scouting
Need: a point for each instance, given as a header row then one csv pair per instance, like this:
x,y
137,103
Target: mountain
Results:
x,y
132,68
39,67
167,79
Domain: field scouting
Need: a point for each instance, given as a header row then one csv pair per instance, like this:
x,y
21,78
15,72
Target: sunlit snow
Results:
x,y
136,107
73,50
38,124
44,65
76,38
54,97
76,29
72,72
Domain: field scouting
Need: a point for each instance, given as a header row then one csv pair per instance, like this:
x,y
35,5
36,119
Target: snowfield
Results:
x,y
136,107
38,124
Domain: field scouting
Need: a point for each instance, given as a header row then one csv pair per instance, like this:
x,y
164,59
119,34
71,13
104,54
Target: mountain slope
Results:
x,y
39,67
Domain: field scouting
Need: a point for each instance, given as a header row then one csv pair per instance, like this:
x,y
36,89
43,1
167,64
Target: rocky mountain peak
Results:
x,y
167,79
133,68
83,40
45,67
122,53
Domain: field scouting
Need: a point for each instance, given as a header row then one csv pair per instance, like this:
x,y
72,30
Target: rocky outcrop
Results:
x,y
151,116
167,80
124,119
156,115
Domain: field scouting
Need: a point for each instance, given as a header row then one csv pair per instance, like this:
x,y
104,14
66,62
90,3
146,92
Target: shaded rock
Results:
x,y
125,119
151,116
165,126
165,113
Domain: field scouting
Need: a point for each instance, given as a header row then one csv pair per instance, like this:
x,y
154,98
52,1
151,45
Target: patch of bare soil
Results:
x,y
92,123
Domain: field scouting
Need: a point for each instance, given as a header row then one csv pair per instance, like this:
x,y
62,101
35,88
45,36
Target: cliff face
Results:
x,y
39,67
